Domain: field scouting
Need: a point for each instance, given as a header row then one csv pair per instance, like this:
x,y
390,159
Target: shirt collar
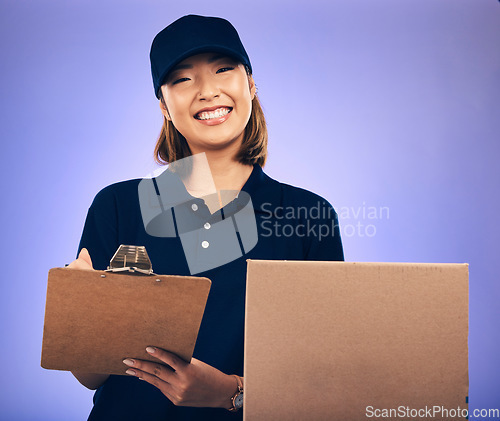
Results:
x,y
262,189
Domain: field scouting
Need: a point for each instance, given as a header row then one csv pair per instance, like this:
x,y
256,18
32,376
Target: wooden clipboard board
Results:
x,y
95,319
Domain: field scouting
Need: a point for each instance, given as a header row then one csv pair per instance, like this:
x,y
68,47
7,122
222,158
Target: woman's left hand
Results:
x,y
185,384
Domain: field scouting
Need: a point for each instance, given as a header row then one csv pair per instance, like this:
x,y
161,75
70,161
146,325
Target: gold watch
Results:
x,y
237,399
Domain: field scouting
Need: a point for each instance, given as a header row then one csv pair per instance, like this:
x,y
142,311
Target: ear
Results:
x,y
251,85
164,110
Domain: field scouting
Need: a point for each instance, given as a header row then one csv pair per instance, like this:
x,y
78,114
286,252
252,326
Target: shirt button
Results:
x,y
205,244
207,225
194,206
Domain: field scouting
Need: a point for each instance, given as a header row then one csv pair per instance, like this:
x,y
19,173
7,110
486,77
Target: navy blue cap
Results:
x,y
190,35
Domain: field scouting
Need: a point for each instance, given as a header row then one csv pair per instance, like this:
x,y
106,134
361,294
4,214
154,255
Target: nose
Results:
x,y
208,88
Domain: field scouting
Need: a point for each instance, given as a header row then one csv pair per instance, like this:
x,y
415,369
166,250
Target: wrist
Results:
x,y
237,398
226,393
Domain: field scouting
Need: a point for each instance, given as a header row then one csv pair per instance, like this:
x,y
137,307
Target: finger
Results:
x,y
162,385
167,357
82,262
155,369
85,256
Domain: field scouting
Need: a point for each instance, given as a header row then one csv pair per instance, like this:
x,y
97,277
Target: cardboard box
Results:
x,y
352,341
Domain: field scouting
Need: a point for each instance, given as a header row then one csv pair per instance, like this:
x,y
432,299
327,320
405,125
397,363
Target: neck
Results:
x,y
229,177
216,177
228,174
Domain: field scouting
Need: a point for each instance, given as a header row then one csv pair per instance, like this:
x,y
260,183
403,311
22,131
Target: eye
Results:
x,y
180,80
225,69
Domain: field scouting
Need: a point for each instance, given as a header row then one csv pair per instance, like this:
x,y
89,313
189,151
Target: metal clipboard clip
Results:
x,y
131,260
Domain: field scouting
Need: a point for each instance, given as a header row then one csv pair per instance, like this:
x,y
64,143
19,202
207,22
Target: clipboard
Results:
x,y
95,319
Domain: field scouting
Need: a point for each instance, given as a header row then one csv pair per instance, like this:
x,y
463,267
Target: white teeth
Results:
x,y
207,115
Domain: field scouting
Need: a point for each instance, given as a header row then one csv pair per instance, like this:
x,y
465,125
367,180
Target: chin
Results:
x,y
215,144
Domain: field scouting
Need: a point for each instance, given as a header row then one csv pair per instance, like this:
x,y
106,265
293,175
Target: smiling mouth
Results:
x,y
217,113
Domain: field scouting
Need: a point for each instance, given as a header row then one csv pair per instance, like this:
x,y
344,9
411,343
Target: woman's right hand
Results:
x,y
89,380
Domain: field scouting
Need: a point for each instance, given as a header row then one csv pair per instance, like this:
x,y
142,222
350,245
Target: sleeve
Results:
x,y
100,232
322,225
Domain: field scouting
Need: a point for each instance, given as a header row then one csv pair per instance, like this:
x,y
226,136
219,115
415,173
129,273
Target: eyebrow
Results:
x,y
190,66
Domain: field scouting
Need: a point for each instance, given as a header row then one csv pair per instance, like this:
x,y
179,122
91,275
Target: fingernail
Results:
x,y
131,372
129,362
151,350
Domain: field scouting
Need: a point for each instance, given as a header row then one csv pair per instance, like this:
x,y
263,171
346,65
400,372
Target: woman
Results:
x,y
203,79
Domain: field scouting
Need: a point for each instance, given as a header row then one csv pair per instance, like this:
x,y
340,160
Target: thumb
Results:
x,y
85,256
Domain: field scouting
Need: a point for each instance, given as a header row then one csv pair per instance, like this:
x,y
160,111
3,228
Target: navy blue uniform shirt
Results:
x,y
292,224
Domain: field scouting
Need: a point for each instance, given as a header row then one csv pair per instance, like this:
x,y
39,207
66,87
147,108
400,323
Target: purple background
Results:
x,y
372,104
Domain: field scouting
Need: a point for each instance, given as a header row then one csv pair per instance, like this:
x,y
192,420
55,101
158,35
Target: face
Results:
x,y
208,98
